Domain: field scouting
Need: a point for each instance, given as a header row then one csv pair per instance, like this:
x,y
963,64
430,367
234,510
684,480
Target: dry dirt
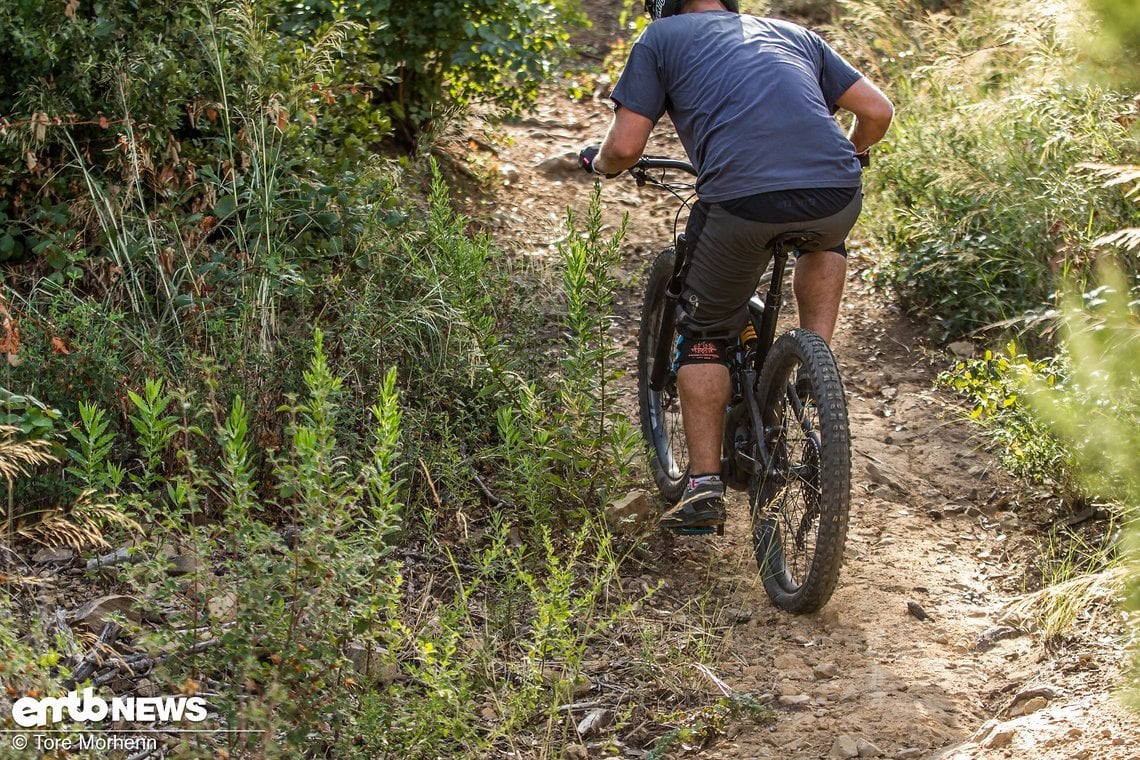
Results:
x,y
934,522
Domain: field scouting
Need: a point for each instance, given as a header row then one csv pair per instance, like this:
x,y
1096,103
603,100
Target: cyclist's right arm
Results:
x,y
625,141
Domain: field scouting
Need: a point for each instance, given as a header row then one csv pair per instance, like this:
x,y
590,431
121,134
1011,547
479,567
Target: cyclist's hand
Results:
x,y
864,158
586,159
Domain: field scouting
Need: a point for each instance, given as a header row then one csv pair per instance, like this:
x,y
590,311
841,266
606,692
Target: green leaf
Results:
x,y
225,206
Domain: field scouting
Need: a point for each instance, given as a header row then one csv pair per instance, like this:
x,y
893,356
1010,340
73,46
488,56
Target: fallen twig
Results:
x,y
91,660
117,557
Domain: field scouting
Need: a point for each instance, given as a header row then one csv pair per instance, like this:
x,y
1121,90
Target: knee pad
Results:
x,y
701,351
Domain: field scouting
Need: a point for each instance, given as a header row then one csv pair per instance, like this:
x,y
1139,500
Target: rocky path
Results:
x,y
916,655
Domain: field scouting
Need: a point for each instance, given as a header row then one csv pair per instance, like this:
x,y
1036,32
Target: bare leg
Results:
x,y
705,391
818,285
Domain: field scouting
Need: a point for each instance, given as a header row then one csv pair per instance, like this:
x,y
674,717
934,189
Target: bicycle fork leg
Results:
x,y
663,355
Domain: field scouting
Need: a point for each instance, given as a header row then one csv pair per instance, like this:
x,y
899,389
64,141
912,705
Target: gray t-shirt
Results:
x,y
753,101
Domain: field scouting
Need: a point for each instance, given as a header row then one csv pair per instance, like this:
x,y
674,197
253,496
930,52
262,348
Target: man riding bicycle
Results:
x,y
753,102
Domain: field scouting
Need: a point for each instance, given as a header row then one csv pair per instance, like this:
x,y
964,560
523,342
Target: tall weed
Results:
x,y
977,197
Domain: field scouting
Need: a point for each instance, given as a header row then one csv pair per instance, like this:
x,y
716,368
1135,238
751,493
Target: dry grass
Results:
x,y
77,525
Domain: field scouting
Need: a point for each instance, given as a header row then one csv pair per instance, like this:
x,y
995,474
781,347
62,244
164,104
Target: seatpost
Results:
x,y
767,332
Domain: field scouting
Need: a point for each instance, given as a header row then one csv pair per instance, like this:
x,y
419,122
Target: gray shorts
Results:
x,y
727,256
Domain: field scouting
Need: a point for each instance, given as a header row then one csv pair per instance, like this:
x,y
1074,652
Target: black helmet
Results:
x,y
662,8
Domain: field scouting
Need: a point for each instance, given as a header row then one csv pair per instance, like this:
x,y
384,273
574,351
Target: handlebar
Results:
x,y
648,163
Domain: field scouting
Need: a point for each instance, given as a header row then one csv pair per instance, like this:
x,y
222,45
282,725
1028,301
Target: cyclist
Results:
x,y
753,102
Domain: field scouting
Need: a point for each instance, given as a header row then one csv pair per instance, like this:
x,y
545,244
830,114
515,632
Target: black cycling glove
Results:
x,y
586,160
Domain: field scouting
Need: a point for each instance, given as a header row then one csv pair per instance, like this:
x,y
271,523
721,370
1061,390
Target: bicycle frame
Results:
x,y
763,313
786,439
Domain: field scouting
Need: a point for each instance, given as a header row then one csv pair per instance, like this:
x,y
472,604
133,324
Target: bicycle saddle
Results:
x,y
794,240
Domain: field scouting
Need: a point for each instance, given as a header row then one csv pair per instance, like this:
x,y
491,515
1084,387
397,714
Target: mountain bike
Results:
x,y
786,440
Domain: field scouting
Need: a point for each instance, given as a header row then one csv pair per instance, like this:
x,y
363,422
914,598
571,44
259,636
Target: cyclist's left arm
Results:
x,y
625,141
873,113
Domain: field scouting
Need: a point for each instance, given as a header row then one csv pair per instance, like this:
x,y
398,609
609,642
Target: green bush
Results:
x,y
997,386
977,194
135,133
443,55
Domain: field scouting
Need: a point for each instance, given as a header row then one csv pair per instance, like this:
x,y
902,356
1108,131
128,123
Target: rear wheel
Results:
x,y
800,505
661,409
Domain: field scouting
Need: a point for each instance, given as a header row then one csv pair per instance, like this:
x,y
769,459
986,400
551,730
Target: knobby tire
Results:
x,y
800,506
660,411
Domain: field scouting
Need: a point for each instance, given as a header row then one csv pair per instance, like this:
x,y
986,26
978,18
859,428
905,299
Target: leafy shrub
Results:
x,y
977,193
442,55
263,112
997,386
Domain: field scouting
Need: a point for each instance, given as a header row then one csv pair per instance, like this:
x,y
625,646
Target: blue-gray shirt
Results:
x,y
752,99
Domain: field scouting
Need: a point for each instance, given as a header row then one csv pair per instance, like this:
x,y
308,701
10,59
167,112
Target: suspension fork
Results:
x,y
663,356
766,336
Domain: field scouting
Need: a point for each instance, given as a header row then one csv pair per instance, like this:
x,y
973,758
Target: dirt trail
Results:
x,y
933,523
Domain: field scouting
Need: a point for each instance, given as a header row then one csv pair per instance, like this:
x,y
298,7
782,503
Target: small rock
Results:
x,y
509,173
1048,693
575,752
788,688
1033,705
488,713
1002,736
734,616
53,554
829,618
630,513
223,608
787,662
825,670
909,752
844,746
867,748
916,610
880,478
183,564
595,720
988,639
794,700
1008,521
95,613
962,348
146,688
567,163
